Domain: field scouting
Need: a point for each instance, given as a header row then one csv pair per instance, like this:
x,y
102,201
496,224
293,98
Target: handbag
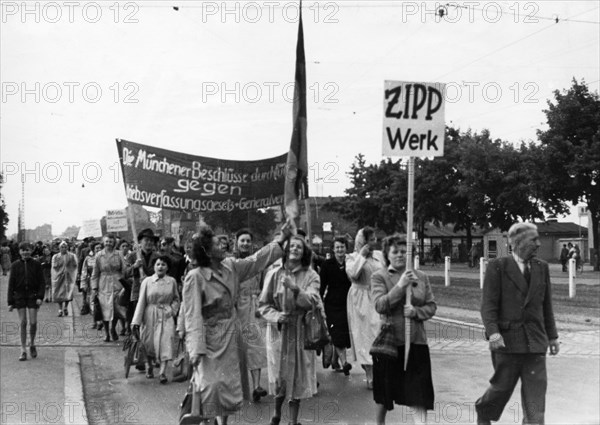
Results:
x,y
386,343
97,310
190,409
181,364
327,355
316,335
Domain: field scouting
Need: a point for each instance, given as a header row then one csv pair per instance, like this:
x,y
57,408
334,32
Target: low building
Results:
x,y
552,237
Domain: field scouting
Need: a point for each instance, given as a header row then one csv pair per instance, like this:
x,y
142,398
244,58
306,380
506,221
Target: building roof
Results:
x,y
447,231
556,228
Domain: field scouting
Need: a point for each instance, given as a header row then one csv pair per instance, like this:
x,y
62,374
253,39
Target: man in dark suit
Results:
x,y
517,314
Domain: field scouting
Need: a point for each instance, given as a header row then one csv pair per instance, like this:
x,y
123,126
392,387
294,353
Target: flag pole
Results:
x,y
409,262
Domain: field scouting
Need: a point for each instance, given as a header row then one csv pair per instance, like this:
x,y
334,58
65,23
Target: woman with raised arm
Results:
x,y
212,329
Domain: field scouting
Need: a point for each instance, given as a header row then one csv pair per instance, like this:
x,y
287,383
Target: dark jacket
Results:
x,y
335,281
522,315
26,281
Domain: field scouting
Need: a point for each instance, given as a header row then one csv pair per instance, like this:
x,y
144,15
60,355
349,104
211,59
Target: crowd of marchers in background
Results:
x,y
232,310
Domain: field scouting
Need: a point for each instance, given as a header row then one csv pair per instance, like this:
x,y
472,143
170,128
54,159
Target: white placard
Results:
x,y
327,226
413,119
90,228
116,221
582,211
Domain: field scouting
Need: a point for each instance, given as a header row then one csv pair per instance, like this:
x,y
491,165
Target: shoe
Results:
x,y
346,369
275,420
23,356
94,325
60,313
66,312
140,367
258,393
114,335
107,339
162,378
33,352
150,374
122,333
336,366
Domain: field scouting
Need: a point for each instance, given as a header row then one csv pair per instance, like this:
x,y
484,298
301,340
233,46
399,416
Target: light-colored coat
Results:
x,y
108,269
389,301
157,304
212,327
291,368
253,328
363,320
64,272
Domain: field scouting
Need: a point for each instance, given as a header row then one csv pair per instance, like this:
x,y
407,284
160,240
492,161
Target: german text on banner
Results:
x,y
177,181
296,181
413,123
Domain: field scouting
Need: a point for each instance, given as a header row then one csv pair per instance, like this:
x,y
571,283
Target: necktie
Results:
x,y
527,272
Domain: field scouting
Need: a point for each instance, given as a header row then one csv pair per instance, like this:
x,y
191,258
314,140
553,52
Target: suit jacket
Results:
x,y
522,315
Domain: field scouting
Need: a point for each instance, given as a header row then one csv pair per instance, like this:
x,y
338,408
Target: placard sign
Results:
x,y
413,119
90,228
116,221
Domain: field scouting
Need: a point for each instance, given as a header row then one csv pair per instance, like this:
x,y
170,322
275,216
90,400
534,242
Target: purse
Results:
x,y
386,343
316,335
190,409
97,310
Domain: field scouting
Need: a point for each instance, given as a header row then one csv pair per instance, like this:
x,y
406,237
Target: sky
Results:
x,y
216,79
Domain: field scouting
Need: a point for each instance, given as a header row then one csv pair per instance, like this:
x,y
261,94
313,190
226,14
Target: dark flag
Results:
x,y
296,180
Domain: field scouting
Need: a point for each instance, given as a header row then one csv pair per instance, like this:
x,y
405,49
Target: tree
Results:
x,y
569,156
3,213
377,196
478,181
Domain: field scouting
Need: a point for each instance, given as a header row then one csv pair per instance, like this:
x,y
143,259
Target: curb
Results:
x,y
74,389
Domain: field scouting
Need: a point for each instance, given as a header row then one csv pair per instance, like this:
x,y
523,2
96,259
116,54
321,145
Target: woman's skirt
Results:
x,y
413,387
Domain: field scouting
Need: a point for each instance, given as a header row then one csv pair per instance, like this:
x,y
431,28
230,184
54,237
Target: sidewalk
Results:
x,y
47,389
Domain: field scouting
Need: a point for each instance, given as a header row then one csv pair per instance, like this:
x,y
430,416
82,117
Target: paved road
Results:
x,y
50,388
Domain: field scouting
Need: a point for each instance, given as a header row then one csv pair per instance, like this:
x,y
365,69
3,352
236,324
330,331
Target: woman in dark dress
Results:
x,y
334,290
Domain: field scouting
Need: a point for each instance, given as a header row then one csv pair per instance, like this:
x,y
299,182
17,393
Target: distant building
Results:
x,y
552,237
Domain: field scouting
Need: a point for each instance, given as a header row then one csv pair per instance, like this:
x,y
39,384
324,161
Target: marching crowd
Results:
x,y
239,312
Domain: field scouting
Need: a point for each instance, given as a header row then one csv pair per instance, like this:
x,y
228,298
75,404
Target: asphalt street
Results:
x,y
79,379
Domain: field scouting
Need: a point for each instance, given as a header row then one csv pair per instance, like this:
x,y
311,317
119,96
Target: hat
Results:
x,y
147,233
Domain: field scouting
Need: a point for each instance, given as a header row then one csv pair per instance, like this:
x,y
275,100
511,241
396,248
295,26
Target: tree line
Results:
x,y
486,182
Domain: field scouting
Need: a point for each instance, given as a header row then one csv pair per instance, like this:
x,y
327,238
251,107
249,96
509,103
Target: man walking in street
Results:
x,y
564,257
517,314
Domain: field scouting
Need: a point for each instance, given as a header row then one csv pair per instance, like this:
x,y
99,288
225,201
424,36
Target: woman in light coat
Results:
x,y
157,305
108,269
64,273
212,328
289,292
363,320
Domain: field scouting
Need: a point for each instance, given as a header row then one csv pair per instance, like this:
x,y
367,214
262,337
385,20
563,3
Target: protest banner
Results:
x,y
173,180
